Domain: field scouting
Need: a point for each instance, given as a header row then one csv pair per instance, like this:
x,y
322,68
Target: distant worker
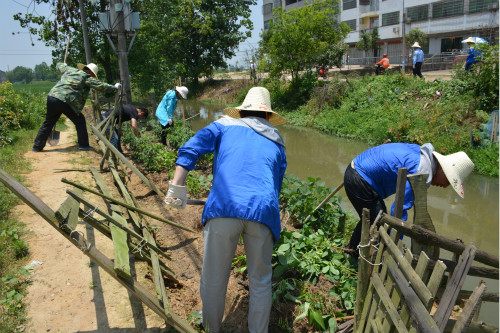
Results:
x,y
473,56
252,70
165,110
68,97
128,113
382,65
249,165
418,60
372,176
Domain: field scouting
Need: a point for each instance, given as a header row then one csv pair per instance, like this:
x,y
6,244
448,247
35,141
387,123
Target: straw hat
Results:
x,y
416,44
456,167
92,67
183,91
469,40
257,99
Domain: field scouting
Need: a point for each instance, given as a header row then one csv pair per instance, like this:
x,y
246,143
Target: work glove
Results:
x,y
170,121
176,196
118,86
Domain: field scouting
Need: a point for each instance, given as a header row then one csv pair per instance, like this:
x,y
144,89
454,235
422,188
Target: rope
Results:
x,y
196,115
90,212
85,247
287,214
369,244
138,248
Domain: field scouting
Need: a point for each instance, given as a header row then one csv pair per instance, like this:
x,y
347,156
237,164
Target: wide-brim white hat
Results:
x,y
92,67
257,99
416,44
183,91
456,167
469,40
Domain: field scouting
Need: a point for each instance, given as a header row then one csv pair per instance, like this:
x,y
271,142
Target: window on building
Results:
x,y
267,9
480,5
277,3
289,2
266,24
390,18
351,24
418,13
451,44
348,4
447,8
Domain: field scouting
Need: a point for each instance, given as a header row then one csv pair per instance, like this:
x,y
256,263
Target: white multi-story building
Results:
x,y
445,22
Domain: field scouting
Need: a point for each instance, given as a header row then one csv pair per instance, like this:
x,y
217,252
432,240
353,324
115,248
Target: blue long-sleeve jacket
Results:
x,y
249,165
418,56
379,167
473,56
166,108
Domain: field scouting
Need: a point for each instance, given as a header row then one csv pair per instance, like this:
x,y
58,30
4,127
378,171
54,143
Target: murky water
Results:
x,y
311,154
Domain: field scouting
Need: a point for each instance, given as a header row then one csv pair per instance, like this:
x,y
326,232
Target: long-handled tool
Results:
x,y
325,201
54,136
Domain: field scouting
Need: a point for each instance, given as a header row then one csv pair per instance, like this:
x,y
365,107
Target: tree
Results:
x,y
66,23
20,74
299,38
368,41
187,39
416,35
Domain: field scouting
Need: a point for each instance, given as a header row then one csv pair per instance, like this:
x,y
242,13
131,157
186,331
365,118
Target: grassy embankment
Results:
x,y
21,116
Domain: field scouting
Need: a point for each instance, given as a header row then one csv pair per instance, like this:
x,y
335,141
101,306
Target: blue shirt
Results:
x,y
473,56
166,108
418,56
379,167
249,165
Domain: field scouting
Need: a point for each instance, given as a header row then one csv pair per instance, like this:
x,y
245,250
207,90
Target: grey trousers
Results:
x,y
220,240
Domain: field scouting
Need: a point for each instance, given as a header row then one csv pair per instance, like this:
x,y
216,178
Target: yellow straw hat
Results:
x,y
257,99
92,67
456,168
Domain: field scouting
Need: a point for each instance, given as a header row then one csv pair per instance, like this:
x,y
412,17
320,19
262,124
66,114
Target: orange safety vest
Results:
x,y
384,62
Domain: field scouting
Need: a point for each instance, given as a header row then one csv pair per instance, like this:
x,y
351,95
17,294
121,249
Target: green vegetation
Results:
x,y
35,87
24,112
294,42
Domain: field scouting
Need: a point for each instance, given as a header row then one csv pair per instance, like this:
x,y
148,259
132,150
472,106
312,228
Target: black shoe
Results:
x,y
86,148
36,149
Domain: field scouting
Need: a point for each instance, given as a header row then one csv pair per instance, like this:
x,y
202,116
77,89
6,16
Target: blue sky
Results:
x,y
16,50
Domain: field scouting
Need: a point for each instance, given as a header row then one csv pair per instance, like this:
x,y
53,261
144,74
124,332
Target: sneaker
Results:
x,y
36,149
86,148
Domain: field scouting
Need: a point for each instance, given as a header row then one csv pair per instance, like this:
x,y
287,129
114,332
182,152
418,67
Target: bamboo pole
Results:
x,y
161,219
363,267
126,161
81,243
428,237
116,223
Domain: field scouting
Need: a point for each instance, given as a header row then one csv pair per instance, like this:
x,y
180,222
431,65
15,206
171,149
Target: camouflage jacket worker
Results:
x,y
74,86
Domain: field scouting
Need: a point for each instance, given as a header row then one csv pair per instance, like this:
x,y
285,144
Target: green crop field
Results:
x,y
34,87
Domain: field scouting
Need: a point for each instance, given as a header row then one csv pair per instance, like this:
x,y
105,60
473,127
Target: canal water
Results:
x,y
311,154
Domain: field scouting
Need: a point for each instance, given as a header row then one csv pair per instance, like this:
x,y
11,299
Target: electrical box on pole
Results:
x,y
118,23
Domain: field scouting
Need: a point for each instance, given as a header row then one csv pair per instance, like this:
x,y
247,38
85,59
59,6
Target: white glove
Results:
x,y
170,121
176,196
118,86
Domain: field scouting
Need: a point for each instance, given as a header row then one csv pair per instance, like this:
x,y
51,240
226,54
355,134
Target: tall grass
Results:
x,y
25,113
34,87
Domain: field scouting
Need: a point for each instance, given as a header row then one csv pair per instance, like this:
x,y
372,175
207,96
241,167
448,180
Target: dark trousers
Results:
x,y
361,195
417,69
164,132
55,108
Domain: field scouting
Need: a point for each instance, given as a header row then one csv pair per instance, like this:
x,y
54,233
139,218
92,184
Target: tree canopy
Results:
x,y
368,41
300,38
180,38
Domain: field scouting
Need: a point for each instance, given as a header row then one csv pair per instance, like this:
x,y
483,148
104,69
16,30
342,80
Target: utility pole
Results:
x,y
404,33
116,8
85,32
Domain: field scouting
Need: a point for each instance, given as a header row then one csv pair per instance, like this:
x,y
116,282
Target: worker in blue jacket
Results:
x,y
372,176
249,165
418,60
473,56
165,110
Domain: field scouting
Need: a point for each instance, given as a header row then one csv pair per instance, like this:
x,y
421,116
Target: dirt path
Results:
x,y
68,293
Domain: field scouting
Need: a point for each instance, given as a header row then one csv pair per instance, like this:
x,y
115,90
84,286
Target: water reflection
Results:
x,y
311,154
